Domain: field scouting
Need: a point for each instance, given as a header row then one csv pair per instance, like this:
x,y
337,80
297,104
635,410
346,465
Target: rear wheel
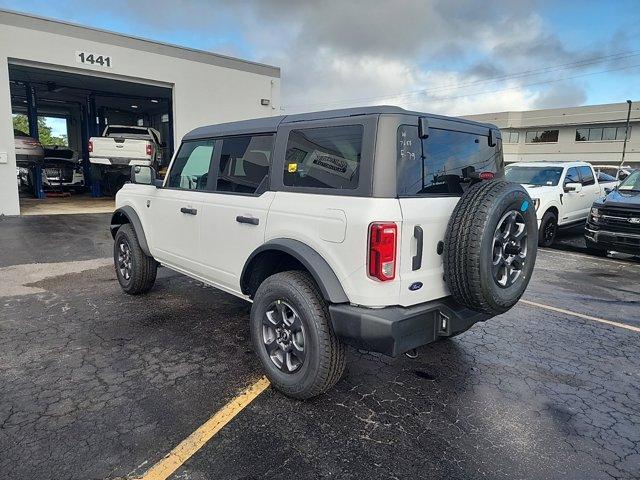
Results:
x,y
293,338
548,229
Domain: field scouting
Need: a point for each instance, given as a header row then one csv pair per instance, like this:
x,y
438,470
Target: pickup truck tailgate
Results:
x,y
116,147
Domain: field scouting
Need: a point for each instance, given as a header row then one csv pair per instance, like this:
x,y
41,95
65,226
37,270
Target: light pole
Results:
x,y
626,136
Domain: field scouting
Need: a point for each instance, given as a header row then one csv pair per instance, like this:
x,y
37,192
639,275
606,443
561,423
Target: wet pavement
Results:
x,y
96,384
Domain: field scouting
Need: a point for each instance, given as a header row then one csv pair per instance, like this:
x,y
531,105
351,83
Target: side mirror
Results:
x,y
423,127
572,187
143,175
608,190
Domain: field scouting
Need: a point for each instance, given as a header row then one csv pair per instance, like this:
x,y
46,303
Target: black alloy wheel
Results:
x,y
509,248
283,336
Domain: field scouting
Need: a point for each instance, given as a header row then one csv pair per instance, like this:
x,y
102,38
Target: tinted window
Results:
x,y
244,163
621,131
609,133
587,176
632,182
573,176
542,136
327,157
542,175
115,131
443,163
582,134
510,137
595,134
190,169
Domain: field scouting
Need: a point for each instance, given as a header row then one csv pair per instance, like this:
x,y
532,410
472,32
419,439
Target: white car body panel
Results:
x,y
317,221
573,207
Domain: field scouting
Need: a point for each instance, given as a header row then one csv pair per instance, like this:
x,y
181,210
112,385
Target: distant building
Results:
x,y
592,133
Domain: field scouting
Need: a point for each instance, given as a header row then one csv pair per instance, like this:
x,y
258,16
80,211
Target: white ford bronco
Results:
x,y
562,192
376,227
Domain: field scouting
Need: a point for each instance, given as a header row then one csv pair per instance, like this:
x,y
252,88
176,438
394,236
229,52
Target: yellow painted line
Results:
x,y
194,442
582,315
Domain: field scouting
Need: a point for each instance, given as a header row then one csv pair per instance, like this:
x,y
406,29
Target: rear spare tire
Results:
x,y
490,246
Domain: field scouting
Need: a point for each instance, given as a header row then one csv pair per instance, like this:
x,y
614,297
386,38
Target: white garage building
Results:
x,y
90,78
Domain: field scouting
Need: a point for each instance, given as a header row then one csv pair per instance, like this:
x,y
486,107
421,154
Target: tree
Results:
x,y
21,122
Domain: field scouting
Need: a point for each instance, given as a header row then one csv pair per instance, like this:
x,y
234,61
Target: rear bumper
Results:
x,y
119,162
622,242
395,330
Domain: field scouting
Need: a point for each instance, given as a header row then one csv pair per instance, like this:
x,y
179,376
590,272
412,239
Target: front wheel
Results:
x,y
135,270
548,229
292,336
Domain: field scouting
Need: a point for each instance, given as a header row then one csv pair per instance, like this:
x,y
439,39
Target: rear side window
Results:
x,y
326,157
244,163
190,169
587,175
444,163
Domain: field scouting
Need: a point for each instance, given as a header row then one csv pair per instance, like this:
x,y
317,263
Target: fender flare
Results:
x,y
135,222
551,204
322,273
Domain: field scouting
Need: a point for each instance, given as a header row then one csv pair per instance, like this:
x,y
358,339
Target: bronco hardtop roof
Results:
x,y
270,124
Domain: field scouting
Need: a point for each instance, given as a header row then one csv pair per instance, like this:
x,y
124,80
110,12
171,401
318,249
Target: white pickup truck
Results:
x,y
563,193
123,146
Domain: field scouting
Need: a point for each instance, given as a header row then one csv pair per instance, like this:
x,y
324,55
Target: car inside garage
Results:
x,y
67,88
62,111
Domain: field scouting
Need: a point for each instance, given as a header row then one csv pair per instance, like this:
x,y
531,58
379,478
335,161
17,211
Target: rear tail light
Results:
x,y
149,149
382,251
487,175
90,146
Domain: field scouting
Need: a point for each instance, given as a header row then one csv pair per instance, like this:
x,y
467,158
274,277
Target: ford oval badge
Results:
x,y
415,286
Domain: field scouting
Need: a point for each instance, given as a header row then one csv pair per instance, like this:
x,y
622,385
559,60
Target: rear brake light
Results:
x,y
382,251
487,175
90,146
149,149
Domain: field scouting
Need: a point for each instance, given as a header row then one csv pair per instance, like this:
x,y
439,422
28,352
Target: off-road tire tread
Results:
x,y
145,268
332,350
545,217
461,256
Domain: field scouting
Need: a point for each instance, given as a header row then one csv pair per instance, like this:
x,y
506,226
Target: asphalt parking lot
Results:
x,y
99,385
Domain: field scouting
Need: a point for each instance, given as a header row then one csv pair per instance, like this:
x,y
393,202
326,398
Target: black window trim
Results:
x,y
538,131
600,127
214,167
365,175
593,175
440,126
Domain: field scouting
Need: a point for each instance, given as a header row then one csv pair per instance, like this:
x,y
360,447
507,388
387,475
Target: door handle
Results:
x,y
249,220
416,261
189,211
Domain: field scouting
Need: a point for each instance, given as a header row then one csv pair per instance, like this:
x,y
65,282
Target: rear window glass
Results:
x,y
115,131
445,163
327,157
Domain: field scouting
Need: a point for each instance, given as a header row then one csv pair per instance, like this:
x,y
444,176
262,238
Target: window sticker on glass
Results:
x,y
293,167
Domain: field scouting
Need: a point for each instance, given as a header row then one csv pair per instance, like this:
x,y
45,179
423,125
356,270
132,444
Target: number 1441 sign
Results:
x,y
93,59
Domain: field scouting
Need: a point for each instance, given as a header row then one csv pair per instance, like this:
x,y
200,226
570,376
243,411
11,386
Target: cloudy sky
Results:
x,y
452,57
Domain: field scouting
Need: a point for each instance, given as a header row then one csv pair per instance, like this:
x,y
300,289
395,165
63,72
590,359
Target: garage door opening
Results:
x,y
55,113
